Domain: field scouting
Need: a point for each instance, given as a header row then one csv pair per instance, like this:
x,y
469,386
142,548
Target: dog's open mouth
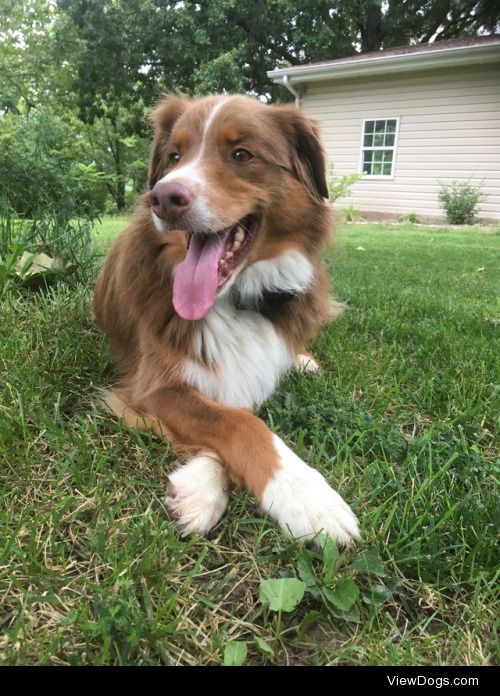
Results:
x,y
210,262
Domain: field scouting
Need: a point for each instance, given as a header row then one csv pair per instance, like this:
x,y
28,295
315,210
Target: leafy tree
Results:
x,y
111,83
44,166
118,151
101,64
29,72
209,45
400,22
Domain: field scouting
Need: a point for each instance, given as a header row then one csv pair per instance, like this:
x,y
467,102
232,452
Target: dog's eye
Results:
x,y
241,155
173,158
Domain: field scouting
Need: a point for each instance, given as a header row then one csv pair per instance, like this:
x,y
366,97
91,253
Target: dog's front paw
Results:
x,y
306,363
198,494
304,504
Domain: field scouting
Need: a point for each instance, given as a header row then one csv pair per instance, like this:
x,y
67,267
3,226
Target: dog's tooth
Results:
x,y
236,245
229,255
240,235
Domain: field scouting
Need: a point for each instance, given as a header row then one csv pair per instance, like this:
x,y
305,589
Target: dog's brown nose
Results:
x,y
170,199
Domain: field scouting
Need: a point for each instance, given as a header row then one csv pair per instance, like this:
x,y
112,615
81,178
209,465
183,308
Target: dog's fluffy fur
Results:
x,y
193,361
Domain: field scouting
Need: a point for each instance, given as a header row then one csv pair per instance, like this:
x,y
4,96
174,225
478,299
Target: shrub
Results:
x,y
52,246
460,202
339,186
49,198
43,164
351,213
411,218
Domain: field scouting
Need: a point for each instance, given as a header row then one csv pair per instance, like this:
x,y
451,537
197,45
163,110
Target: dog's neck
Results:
x,y
267,285
267,304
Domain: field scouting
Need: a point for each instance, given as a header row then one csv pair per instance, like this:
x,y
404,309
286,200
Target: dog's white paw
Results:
x,y
306,363
304,504
198,494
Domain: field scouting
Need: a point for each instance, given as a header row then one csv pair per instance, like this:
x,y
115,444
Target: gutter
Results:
x,y
379,65
291,89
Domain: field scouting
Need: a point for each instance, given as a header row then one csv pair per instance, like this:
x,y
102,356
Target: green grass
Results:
x,y
110,226
403,421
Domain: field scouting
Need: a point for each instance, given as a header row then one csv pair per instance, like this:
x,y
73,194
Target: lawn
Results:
x,y
403,421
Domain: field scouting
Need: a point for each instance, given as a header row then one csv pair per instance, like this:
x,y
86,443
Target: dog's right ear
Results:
x,y
308,158
163,118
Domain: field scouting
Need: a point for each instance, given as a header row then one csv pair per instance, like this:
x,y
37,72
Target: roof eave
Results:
x,y
386,65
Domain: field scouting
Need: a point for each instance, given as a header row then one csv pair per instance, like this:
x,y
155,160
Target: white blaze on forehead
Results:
x,y
192,171
192,174
215,109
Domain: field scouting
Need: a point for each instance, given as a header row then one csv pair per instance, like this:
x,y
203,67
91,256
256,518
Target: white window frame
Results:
x,y
393,148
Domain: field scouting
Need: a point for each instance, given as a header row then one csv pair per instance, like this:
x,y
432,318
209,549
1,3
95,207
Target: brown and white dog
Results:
x,y
209,298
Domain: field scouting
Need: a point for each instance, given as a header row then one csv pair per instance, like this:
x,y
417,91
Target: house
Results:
x,y
408,120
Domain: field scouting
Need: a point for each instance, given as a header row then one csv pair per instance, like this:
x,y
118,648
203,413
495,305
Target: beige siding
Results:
x,y
449,130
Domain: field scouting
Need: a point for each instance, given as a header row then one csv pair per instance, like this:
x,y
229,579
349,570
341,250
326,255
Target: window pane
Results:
x,y
367,162
379,140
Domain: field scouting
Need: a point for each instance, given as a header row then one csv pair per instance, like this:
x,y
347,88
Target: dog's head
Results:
x,y
245,181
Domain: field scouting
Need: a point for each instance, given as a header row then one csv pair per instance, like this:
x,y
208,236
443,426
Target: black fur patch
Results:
x,y
267,304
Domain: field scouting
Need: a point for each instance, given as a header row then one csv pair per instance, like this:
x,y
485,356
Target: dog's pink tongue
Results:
x,y
196,278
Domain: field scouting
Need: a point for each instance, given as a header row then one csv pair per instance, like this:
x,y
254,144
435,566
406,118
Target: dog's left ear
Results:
x,y
306,149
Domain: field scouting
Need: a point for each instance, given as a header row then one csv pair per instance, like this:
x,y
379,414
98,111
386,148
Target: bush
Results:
x,y
339,186
52,246
351,213
49,198
43,164
460,202
411,218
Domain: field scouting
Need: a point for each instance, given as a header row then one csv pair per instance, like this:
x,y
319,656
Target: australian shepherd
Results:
x,y
210,297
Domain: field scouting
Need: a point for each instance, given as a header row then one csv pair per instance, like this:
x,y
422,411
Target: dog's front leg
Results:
x,y
304,362
198,493
293,493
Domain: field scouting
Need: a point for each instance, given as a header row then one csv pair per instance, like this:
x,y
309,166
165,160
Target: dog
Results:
x,y
211,295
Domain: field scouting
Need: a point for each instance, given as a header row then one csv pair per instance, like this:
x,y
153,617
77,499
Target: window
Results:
x,y
379,147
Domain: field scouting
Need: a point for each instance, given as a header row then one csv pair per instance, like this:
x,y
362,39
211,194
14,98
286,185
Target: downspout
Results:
x,y
291,89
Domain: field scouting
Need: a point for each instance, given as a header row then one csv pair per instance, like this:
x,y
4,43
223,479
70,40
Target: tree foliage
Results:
x,y
197,45
101,64
28,69
45,165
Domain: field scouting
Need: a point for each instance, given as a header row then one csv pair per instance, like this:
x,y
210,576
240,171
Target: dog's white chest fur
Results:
x,y
245,357
241,356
